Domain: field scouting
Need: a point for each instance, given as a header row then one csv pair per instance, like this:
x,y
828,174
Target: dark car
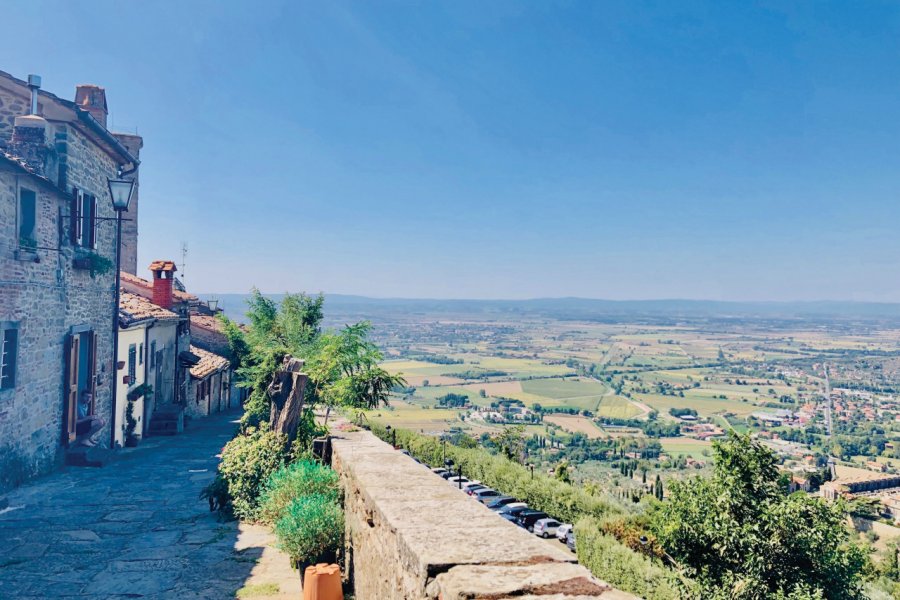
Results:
x,y
511,512
527,518
498,503
570,540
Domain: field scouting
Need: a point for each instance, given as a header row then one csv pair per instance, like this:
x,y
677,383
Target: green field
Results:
x,y
583,394
615,407
682,446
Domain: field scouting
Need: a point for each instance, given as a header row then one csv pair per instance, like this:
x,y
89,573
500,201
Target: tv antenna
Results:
x,y
184,251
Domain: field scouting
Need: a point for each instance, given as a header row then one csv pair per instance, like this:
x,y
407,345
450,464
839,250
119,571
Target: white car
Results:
x,y
455,480
546,527
562,530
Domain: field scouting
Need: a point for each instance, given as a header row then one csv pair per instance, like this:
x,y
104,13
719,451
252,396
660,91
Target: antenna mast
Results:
x,y
184,251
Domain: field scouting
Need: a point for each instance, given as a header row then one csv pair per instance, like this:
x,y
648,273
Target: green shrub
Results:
x,y
247,463
562,500
302,478
622,567
311,529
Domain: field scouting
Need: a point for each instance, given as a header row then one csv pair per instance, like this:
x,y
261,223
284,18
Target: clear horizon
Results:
x,y
711,150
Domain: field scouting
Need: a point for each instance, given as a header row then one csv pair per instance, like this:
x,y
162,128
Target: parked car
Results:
x,y
441,472
499,502
474,486
546,527
570,540
510,511
447,475
562,530
527,518
486,495
457,481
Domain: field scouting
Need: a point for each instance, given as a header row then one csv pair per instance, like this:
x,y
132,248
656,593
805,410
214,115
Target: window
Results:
x,y
9,347
83,221
141,355
27,218
132,363
152,357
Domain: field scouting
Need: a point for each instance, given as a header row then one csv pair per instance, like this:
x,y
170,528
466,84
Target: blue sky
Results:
x,y
624,150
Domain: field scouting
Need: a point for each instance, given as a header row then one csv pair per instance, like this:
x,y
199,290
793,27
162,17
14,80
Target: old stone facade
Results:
x,y
60,311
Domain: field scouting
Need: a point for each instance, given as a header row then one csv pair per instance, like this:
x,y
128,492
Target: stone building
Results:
x,y
147,335
57,244
197,378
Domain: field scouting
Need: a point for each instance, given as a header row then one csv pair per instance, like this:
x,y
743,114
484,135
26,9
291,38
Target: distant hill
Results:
x,y
339,305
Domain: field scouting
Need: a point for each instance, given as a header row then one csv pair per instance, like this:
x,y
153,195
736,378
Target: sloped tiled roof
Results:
x,y
146,288
209,363
163,265
207,333
134,308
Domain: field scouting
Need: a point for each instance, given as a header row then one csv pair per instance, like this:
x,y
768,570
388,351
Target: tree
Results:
x,y
658,488
739,533
561,471
511,442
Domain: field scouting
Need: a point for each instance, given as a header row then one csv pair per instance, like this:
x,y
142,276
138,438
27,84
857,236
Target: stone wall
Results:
x,y
412,535
48,298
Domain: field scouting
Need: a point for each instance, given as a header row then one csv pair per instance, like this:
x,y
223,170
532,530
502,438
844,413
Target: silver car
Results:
x,y
546,527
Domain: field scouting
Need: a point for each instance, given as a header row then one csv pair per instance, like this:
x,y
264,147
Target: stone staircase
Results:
x,y
167,420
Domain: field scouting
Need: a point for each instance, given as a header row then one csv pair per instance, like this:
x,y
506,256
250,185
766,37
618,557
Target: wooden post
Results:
x,y
286,392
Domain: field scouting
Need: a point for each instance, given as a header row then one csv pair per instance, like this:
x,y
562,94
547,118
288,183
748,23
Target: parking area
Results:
x,y
541,524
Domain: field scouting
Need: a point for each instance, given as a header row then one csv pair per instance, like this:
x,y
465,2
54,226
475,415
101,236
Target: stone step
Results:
x,y
82,456
167,420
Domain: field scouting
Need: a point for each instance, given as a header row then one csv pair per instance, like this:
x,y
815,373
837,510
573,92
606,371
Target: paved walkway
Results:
x,y
137,529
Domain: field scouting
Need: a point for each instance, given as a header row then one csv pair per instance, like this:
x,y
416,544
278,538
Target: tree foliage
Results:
x,y
343,366
742,536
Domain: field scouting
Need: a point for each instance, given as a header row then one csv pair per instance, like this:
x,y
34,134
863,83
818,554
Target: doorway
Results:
x,y
80,368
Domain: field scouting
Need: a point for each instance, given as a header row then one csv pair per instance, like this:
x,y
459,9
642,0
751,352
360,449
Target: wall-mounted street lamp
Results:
x,y
120,192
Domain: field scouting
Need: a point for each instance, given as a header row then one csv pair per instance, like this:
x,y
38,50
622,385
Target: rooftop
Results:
x,y
140,285
134,308
209,363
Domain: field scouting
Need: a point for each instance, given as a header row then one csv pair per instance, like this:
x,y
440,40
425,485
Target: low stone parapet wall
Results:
x,y
411,535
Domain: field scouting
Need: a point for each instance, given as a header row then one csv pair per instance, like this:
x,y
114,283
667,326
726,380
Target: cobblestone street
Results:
x,y
134,528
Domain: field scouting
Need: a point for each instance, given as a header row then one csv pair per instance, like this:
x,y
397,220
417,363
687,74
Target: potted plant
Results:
x,y
311,530
131,440
143,390
91,261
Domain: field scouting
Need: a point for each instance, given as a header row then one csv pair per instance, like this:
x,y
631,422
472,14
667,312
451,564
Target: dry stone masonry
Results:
x,y
411,535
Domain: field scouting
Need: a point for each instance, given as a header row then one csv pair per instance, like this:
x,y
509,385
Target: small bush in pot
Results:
x,y
311,529
302,478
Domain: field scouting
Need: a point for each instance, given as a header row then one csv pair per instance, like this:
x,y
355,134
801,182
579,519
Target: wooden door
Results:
x,y
71,403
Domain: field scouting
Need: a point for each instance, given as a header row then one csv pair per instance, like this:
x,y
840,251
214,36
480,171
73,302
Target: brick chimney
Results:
x,y
163,282
92,98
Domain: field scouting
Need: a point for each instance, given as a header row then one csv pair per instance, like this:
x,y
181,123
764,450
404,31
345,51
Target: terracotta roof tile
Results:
x,y
163,265
209,363
136,308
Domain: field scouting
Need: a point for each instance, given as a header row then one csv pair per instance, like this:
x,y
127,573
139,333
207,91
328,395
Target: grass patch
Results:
x,y
256,590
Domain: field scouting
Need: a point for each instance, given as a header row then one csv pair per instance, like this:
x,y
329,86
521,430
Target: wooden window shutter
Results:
x,y
92,370
74,221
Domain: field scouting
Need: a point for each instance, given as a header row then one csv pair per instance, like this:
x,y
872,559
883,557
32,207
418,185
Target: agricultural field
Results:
x,y
618,381
577,424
